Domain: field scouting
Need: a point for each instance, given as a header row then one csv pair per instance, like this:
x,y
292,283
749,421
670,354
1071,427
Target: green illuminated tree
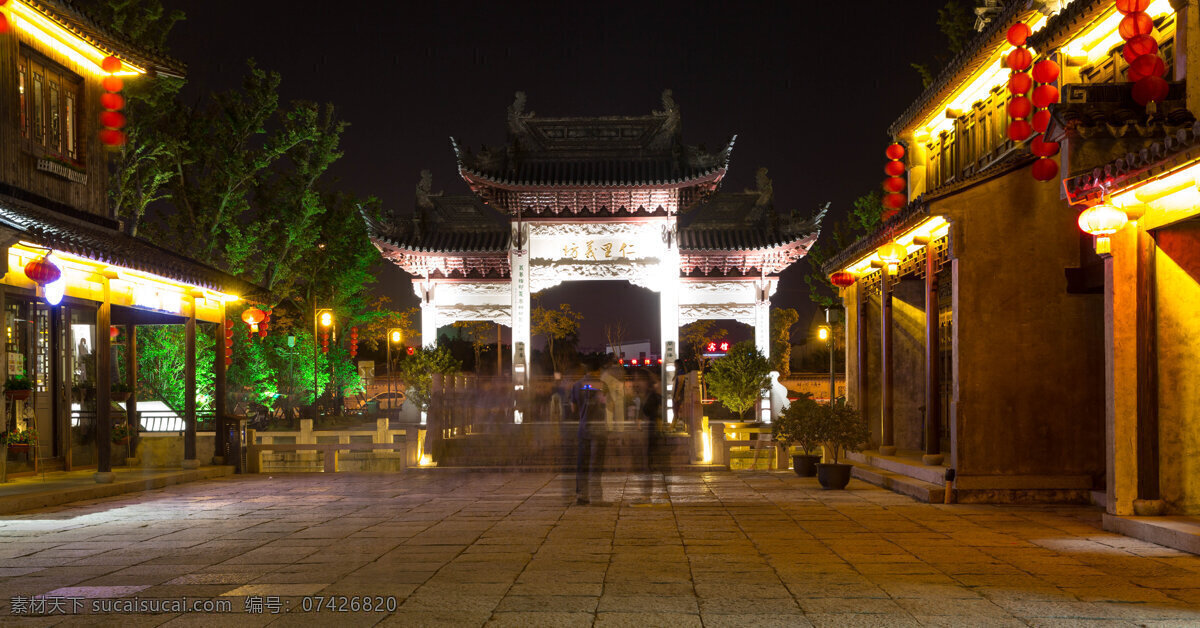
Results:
x,y
782,320
695,335
738,379
416,372
560,324
479,334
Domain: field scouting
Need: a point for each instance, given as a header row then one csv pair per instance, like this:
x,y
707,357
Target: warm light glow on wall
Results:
x,y
1095,42
931,229
28,20
1167,199
975,88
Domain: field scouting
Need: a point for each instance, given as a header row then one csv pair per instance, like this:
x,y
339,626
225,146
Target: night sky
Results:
x,y
809,87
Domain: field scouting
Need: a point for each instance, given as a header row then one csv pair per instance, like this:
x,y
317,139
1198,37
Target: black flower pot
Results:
x,y
833,476
804,465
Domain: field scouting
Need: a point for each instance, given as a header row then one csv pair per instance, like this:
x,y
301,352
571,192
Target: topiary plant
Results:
x,y
842,428
799,425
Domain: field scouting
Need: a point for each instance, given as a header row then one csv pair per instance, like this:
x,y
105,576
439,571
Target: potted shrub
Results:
x,y
121,392
842,429
120,433
800,425
21,440
17,387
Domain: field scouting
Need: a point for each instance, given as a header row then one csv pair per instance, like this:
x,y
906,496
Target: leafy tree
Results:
x,y
479,334
956,22
864,218
738,379
695,335
379,319
161,357
416,372
842,428
558,324
799,425
782,320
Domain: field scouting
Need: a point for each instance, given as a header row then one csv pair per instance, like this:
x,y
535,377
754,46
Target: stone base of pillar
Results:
x,y
104,477
933,460
191,464
887,450
1149,507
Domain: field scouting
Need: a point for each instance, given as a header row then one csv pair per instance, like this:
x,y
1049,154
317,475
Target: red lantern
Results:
x,y
1045,71
113,83
42,271
894,184
1132,6
894,168
1138,46
229,323
1019,83
112,137
1018,33
894,201
253,316
1019,59
1134,24
1044,96
114,102
228,361
841,279
1042,148
111,64
1041,121
112,120
1019,107
1019,130
1146,65
229,341
895,151
113,332
262,332
4,27
1151,88
1045,169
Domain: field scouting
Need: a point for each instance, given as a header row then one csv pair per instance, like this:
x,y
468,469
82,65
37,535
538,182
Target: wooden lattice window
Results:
x,y
48,99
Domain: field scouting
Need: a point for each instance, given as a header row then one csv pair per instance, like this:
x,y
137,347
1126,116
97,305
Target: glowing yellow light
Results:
x,y
706,438
326,319
891,252
29,20
823,333
396,337
931,229
1094,43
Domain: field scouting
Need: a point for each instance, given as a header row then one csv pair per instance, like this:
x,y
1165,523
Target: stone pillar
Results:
x,y
887,441
762,316
668,305
933,391
189,388
104,386
860,347
1149,498
1121,370
518,260
429,318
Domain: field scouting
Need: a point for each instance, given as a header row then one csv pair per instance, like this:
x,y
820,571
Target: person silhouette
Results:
x,y
589,401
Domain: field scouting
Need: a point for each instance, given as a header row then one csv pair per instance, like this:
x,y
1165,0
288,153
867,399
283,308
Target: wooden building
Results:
x,y
54,210
981,349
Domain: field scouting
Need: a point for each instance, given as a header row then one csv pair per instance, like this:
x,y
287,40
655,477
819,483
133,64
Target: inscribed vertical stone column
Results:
x,y
762,334
668,305
518,263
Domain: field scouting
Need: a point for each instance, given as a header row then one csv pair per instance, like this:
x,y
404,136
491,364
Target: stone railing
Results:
x,y
382,449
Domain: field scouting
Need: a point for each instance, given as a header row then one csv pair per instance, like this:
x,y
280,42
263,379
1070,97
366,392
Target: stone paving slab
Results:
x,y
710,548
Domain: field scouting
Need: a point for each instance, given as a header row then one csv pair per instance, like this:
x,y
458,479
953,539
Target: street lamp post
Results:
x,y
394,336
825,333
324,317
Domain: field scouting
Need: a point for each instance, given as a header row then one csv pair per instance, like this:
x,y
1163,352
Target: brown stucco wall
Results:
x,y
1177,269
1030,378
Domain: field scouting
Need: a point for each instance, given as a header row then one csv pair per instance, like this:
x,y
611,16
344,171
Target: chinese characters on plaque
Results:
x,y
597,250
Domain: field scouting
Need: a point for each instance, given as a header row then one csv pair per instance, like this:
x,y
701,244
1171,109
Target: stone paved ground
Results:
x,y
509,549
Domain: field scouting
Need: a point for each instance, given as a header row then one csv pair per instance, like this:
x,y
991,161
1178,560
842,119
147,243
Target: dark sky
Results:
x,y
808,86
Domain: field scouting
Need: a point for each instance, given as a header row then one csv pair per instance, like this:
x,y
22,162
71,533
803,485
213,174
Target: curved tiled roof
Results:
x,y
965,62
69,15
96,239
1174,150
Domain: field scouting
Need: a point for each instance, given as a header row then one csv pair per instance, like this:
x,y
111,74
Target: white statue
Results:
x,y
779,397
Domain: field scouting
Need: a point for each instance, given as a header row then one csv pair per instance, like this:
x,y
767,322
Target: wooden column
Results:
x,y
219,393
104,386
887,440
861,350
189,389
1147,370
933,390
131,379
